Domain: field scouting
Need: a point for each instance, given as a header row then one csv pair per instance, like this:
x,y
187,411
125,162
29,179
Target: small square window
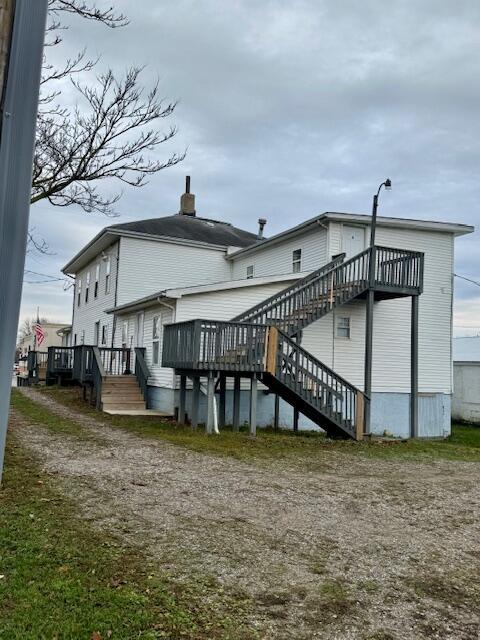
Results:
x,y
250,270
343,328
297,261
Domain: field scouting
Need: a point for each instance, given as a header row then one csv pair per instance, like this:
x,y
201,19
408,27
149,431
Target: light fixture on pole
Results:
x,y
388,185
369,309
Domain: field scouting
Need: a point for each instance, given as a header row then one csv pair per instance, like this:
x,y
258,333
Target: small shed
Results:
x,y
466,391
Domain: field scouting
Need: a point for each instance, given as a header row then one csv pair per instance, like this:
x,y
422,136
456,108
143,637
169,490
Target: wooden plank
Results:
x,y
359,418
271,350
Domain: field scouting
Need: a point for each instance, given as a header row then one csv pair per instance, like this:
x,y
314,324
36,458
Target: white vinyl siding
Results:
x,y
148,266
278,259
391,327
85,316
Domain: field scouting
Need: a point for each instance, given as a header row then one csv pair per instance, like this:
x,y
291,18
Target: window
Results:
x,y
87,286
155,339
97,278
74,339
79,291
104,334
83,336
107,275
124,333
343,328
250,271
297,261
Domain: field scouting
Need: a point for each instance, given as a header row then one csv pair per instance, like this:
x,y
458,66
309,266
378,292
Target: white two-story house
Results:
x,y
134,279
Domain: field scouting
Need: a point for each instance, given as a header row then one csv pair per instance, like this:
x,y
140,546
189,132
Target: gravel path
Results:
x,y
365,549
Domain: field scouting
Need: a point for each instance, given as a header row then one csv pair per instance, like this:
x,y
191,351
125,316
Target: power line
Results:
x,y
467,279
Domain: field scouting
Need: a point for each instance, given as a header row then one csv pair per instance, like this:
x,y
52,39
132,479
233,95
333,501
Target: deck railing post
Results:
x,y
195,401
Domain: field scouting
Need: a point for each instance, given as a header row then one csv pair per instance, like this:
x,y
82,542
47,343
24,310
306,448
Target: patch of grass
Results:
x,y
61,579
451,590
41,415
333,603
305,448
369,586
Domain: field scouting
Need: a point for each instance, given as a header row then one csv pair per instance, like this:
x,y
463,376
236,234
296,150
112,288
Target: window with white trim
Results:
x,y
87,286
156,340
97,278
343,327
104,334
108,266
250,271
297,261
82,336
124,334
79,291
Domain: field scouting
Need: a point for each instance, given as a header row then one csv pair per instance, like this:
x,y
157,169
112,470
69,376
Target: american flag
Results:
x,y
39,333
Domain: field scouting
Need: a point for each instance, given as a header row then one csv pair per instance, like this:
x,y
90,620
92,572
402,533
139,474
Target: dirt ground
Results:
x,y
360,549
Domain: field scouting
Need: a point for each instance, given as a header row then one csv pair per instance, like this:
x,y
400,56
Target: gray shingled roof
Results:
x,y
191,228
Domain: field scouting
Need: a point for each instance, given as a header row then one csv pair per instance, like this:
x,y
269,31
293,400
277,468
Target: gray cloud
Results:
x,y
292,108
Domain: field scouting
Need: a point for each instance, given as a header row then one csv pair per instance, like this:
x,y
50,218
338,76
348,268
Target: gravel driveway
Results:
x,y
362,549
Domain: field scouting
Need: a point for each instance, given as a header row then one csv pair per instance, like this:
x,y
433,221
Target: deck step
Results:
x,y
124,405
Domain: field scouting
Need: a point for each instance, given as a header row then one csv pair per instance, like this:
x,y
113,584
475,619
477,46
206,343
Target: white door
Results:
x,y
139,329
353,240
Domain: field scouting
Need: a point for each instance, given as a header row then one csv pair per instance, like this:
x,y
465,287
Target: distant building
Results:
x,y
52,338
466,379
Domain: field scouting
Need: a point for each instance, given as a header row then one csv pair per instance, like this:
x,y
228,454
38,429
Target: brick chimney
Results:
x,y
187,201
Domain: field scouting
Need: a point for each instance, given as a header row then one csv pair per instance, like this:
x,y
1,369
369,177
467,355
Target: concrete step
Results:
x,y
110,396
137,412
122,406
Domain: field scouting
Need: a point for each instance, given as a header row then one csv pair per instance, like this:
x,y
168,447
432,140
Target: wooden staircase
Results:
x,y
122,393
261,341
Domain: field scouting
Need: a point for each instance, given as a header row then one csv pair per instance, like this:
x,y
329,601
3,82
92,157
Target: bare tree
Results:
x,y
107,138
26,327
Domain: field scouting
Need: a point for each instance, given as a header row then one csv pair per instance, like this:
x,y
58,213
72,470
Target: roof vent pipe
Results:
x,y
261,224
187,200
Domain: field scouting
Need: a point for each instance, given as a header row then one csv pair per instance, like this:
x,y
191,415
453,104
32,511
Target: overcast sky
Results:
x,y
289,109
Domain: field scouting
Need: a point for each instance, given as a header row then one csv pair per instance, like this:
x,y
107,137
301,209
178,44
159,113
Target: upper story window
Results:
x,y
87,286
250,271
297,261
82,336
97,278
79,291
108,266
343,327
156,339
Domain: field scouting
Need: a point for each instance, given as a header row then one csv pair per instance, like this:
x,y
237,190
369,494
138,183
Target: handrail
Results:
x,y
320,386
142,372
297,286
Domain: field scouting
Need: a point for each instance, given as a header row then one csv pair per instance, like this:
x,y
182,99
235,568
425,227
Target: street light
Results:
x,y
388,185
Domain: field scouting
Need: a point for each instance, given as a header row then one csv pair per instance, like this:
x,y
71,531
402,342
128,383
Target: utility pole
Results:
x,y
22,32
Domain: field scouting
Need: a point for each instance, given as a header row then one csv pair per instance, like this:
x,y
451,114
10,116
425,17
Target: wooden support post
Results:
x,y
236,403
368,357
210,402
195,400
295,419
253,406
414,370
182,409
222,402
276,415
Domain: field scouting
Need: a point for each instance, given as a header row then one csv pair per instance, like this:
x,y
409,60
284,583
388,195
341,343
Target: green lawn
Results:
x,y
464,443
63,578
